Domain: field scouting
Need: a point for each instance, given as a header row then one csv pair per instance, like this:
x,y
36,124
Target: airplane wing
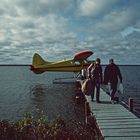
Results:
x,y
83,55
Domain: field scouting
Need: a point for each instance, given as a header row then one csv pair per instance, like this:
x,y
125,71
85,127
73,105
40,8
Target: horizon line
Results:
x,y
31,64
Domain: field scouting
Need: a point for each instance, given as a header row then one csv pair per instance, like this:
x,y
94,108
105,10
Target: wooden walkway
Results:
x,y
114,120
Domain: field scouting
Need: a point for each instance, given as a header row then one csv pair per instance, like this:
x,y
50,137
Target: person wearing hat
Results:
x,y
111,75
95,74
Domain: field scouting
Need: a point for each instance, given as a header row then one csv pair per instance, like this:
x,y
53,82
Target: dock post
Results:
x,y
130,104
87,112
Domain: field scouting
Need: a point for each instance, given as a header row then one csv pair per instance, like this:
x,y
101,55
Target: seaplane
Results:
x,y
79,62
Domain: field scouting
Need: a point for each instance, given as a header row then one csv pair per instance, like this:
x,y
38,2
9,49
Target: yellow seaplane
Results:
x,y
79,62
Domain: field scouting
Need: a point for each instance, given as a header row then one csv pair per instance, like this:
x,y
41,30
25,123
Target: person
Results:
x,y
111,75
95,74
87,87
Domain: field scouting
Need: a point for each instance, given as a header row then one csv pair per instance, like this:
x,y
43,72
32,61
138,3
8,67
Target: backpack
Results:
x,y
95,72
87,87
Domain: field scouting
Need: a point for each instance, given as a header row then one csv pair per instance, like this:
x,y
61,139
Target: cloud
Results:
x,y
58,29
108,17
7,9
94,7
44,7
29,35
115,21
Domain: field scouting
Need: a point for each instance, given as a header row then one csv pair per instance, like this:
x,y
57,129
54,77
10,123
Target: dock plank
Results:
x,y
114,120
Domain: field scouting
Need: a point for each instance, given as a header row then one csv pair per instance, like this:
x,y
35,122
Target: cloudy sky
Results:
x,y
56,29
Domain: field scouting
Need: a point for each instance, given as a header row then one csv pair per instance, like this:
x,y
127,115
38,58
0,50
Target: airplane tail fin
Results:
x,y
37,61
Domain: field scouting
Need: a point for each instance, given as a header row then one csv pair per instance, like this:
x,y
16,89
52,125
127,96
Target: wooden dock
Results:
x,y
115,121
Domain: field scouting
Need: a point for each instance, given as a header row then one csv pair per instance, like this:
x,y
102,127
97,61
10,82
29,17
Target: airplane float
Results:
x,y
79,62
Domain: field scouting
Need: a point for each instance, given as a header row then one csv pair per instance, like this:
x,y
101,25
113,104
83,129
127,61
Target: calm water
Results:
x,y
21,91
131,80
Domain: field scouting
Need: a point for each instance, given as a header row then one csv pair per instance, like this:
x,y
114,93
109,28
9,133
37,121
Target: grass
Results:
x,y
41,129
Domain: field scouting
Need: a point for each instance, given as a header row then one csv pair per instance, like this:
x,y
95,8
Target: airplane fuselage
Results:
x,y
63,66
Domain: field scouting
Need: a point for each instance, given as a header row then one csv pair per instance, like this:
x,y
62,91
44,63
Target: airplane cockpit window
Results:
x,y
77,63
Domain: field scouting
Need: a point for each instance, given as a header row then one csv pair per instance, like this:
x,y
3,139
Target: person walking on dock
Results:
x,y
95,73
111,75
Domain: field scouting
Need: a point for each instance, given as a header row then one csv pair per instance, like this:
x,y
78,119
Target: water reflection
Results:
x,y
38,99
54,101
38,91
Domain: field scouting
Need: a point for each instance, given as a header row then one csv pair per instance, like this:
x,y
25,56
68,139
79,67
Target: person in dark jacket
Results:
x,y
95,74
111,75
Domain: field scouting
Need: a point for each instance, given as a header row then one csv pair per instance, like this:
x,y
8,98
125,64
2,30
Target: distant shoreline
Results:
x,y
30,64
